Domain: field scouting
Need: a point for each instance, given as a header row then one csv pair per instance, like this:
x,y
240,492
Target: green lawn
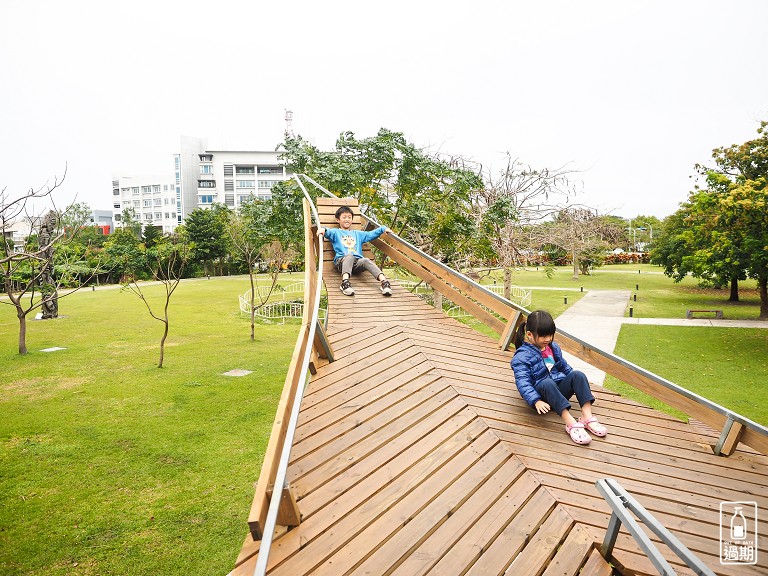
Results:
x,y
658,296
109,465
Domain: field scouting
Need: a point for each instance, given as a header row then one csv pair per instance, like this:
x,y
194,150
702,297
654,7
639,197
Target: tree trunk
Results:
x,y
507,283
22,331
162,342
734,290
575,265
762,284
253,302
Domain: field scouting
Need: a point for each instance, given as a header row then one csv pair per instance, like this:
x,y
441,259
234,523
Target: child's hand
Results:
x,y
541,407
321,231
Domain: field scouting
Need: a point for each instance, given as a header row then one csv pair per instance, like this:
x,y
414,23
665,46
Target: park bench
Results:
x,y
718,313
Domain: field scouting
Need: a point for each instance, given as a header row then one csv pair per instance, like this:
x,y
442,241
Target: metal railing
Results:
x,y
273,478
623,505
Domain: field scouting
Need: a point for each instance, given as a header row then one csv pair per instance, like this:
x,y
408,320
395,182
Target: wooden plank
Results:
x,y
384,485
539,551
489,496
395,534
596,565
573,554
509,330
497,556
321,554
346,419
321,466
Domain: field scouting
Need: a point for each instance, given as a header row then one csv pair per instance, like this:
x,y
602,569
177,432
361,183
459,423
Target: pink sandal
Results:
x,y
577,433
594,426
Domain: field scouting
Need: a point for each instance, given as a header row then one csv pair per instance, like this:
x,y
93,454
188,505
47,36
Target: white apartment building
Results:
x,y
201,178
152,198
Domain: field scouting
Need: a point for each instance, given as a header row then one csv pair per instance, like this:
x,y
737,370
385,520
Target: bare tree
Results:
x,y
578,231
27,272
170,257
513,202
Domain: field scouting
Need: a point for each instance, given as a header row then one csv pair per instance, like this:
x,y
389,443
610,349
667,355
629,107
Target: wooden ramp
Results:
x,y
415,454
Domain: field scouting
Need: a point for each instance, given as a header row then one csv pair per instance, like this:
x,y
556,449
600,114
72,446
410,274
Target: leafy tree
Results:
x,y
420,196
718,235
151,236
130,221
206,230
125,255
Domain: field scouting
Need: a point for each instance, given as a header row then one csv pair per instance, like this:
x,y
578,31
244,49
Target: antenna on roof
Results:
x,y
288,123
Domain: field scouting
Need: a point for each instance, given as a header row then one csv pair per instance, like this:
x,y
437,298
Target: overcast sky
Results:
x,y
633,94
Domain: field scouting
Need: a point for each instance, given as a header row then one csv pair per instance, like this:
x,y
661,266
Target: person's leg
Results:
x,y
345,266
576,383
370,265
551,394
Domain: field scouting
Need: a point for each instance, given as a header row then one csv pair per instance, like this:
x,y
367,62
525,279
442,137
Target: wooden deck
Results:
x,y
416,455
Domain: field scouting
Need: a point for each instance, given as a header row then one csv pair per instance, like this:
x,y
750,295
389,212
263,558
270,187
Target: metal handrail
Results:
x,y
729,415
280,478
622,503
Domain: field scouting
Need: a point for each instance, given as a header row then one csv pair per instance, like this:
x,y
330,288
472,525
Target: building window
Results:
x,y
137,203
268,183
146,189
147,203
116,192
117,217
206,169
206,199
270,169
135,190
148,217
158,215
229,200
206,183
245,170
244,198
116,206
228,169
156,189
206,157
166,216
246,183
166,202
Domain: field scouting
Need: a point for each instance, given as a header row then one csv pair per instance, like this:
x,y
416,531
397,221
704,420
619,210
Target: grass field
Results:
x,y
109,465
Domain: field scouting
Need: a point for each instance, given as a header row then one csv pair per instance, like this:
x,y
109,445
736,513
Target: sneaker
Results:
x,y
386,289
346,288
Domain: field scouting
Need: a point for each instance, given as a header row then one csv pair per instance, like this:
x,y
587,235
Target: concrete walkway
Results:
x,y
598,316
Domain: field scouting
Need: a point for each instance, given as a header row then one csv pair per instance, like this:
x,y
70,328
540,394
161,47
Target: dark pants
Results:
x,y
557,394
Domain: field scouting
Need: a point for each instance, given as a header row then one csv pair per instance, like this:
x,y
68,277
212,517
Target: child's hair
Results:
x,y
539,323
343,210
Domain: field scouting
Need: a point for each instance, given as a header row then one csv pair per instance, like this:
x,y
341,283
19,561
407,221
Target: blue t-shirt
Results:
x,y
351,241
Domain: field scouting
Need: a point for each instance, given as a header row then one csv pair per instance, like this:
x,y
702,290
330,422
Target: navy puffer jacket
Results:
x,y
529,368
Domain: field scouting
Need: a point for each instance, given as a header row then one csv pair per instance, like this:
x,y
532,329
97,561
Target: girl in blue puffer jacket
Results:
x,y
547,382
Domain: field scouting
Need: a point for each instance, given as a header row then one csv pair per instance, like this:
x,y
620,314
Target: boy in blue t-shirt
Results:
x,y
348,246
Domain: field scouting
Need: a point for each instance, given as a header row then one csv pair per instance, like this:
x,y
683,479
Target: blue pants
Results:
x,y
558,394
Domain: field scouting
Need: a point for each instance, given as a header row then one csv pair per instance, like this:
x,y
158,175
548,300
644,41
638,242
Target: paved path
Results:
x,y
598,316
